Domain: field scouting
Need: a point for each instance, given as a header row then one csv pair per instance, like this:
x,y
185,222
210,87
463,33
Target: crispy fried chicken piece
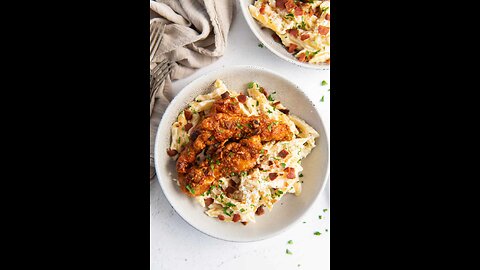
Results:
x,y
220,127
231,158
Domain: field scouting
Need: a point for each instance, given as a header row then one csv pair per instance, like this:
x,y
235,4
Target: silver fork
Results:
x,y
156,33
158,74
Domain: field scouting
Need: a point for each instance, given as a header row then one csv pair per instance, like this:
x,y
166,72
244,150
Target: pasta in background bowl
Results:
x,y
312,23
315,166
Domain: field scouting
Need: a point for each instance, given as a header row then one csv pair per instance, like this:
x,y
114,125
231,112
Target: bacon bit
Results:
x,y
293,32
270,163
232,183
265,151
290,172
285,111
298,11
263,91
328,61
323,30
221,217
301,57
304,36
225,95
311,11
283,153
208,201
262,9
188,114
276,103
242,98
259,211
276,37
327,17
244,223
292,48
188,126
290,4
230,190
236,217
171,152
280,3
272,176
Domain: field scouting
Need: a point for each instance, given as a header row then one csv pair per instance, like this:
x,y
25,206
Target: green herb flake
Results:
x,y
243,174
269,111
319,217
283,165
229,204
300,175
178,141
289,15
288,252
260,45
212,166
257,103
242,210
270,97
232,174
317,233
270,126
324,83
218,162
250,84
230,154
290,242
325,210
322,99
190,189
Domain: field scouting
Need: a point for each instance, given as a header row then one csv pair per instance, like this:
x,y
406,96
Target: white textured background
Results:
x,y
174,244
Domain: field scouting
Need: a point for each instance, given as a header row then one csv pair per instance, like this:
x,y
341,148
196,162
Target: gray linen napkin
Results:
x,y
195,35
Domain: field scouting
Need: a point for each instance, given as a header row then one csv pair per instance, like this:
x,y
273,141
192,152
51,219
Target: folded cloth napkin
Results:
x,y
195,35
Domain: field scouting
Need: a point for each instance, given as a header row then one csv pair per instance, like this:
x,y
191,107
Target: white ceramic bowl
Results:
x,y
316,165
265,36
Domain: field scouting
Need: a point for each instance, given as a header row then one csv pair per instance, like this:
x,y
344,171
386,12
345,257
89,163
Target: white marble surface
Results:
x,y
174,244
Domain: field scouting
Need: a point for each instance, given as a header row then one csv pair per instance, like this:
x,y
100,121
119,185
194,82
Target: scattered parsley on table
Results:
x,y
322,99
288,252
317,233
260,45
320,217
325,210
324,83
290,242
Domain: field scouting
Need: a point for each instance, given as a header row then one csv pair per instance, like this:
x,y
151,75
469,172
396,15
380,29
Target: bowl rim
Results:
x,y
182,95
246,13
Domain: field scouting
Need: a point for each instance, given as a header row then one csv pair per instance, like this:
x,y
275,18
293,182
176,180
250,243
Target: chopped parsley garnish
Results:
x,y
283,165
289,15
300,175
250,84
190,189
322,99
325,210
262,151
227,213
325,9
279,191
270,97
232,174
319,217
270,126
178,141
242,210
243,174
221,196
209,190
218,162
324,83
257,103
230,154
288,252
290,242
239,126
229,204
249,125
317,233
260,45
212,166
269,111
